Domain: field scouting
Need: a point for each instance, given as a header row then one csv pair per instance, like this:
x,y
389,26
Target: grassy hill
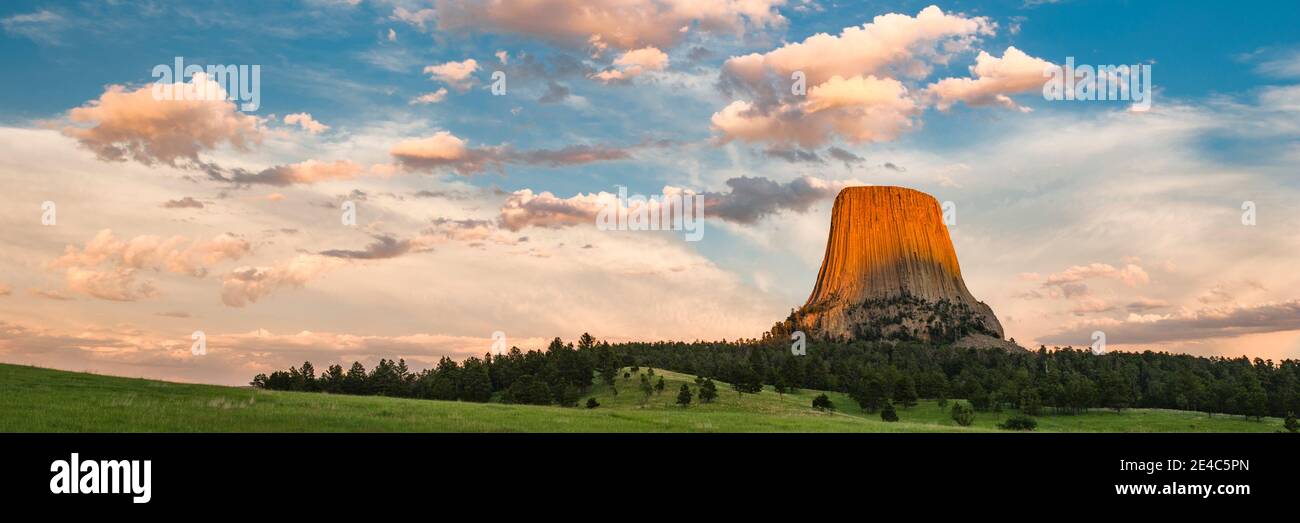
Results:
x,y
44,400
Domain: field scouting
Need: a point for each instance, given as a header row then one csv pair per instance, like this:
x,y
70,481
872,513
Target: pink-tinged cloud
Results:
x,y
620,24
524,208
457,75
851,87
466,231
306,122
891,44
305,172
143,125
106,267
443,149
856,110
633,64
992,81
430,98
114,284
1090,305
177,254
246,285
1131,274
232,358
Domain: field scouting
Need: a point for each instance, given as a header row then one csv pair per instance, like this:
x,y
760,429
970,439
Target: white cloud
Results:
x,y
993,81
457,75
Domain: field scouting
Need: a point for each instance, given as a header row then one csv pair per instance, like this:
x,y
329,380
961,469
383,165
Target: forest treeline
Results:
x,y
1062,381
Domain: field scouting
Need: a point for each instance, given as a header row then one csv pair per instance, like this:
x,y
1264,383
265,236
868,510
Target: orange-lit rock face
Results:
x,y
887,243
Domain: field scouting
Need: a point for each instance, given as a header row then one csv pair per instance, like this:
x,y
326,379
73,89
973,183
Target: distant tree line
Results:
x,y
558,375
1062,380
873,374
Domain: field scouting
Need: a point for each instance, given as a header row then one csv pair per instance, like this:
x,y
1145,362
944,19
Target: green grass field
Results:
x,y
43,400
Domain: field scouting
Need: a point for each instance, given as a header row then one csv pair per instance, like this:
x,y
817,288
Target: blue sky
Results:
x,y
1073,215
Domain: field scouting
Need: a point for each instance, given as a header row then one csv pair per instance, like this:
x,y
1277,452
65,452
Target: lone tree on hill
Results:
x,y
1019,422
821,402
708,391
647,389
659,385
962,413
683,396
888,413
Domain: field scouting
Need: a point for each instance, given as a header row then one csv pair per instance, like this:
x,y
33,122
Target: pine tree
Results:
x,y
888,413
905,393
683,396
567,395
646,388
332,380
606,364
307,377
708,391
476,384
962,413
1030,402
355,382
586,342
869,393
529,390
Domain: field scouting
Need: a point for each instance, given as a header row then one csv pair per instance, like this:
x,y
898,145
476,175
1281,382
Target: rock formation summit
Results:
x,y
890,272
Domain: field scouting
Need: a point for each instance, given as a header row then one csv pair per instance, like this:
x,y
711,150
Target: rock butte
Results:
x,y
886,244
